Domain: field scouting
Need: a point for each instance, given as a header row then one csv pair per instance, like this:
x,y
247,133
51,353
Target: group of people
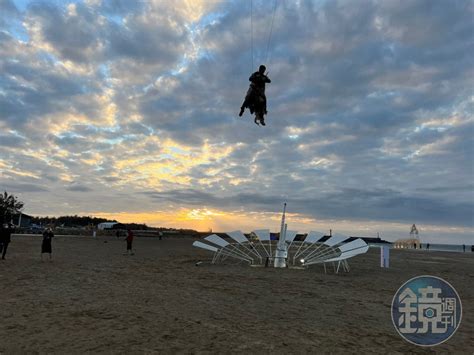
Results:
x,y
6,231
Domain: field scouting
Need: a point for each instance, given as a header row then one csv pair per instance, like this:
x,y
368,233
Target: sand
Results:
x,y
92,298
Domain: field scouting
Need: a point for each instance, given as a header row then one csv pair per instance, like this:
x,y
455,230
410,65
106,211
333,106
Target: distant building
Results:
x,y
409,243
21,220
106,225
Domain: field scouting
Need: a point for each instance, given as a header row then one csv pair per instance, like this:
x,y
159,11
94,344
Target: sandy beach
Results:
x,y
92,298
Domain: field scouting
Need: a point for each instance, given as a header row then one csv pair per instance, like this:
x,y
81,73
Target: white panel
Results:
x,y
290,236
263,234
238,236
204,246
355,244
313,237
335,240
357,251
351,253
214,238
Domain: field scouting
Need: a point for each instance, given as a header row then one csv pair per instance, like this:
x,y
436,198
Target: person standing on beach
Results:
x,y
48,235
5,238
129,240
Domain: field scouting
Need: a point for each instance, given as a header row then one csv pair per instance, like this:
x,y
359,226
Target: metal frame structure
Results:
x,y
260,250
264,252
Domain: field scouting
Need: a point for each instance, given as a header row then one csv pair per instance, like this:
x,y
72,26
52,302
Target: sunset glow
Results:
x,y
128,110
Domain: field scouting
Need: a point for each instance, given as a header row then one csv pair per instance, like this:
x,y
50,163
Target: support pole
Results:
x,y
281,252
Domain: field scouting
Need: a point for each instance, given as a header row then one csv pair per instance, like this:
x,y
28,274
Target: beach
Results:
x,y
93,298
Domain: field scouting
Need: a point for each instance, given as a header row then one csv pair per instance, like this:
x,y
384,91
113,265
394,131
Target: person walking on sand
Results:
x,y
48,235
129,240
5,238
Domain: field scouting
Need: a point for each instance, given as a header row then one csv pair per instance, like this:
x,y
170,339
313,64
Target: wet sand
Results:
x,y
92,298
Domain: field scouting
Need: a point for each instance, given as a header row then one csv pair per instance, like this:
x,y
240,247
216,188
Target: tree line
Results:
x,y
70,221
10,206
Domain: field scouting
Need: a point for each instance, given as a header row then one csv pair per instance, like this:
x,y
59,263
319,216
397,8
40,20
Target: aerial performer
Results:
x,y
255,100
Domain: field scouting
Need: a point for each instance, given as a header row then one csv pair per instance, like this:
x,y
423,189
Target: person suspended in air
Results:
x,y
255,100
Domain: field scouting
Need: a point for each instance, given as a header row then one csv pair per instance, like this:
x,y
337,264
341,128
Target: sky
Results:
x,y
129,110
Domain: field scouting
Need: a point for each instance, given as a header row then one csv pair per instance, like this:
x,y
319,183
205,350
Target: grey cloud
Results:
x,y
14,187
75,37
466,188
355,204
120,7
111,179
147,43
8,8
79,188
8,140
8,12
89,37
47,91
353,83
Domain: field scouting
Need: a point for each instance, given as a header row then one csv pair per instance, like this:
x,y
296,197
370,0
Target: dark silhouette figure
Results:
x,y
46,247
428,246
463,248
129,240
5,238
255,100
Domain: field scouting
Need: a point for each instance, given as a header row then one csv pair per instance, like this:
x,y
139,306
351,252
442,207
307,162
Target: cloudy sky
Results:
x,y
129,110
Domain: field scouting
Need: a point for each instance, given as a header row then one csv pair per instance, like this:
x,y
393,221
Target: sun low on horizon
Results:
x,y
130,111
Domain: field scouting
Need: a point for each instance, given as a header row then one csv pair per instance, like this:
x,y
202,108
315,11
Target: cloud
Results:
x,y
8,7
11,140
355,204
130,103
23,188
79,188
9,13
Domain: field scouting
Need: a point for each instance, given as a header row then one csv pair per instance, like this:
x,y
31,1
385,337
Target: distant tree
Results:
x,y
135,226
9,206
70,221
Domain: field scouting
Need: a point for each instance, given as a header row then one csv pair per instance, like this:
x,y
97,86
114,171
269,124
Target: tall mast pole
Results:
x,y
281,251
281,240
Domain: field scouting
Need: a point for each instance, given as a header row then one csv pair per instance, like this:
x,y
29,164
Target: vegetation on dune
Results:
x,y
70,221
9,206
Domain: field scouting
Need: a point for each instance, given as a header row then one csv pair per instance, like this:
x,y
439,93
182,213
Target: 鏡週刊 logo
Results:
x,y
426,310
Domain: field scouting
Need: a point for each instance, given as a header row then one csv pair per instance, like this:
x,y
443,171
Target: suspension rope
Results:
x,y
271,30
251,29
